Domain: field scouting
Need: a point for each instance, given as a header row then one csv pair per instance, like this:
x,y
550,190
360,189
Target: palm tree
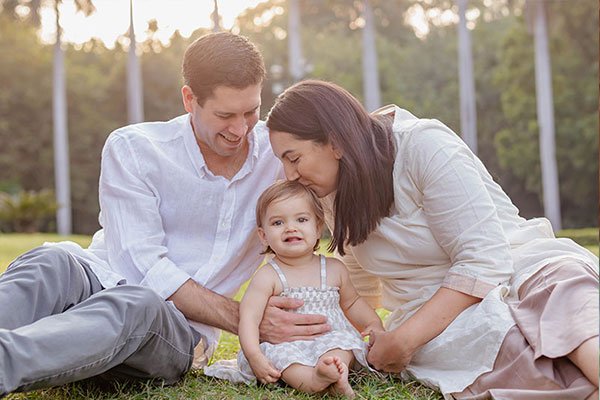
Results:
x,y
135,97
369,61
468,113
295,57
216,17
545,110
59,109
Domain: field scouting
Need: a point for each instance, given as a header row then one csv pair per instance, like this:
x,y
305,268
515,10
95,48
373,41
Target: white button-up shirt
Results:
x,y
166,218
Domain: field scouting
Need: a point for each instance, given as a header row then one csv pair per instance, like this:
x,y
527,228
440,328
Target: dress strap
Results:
x,y
323,273
280,273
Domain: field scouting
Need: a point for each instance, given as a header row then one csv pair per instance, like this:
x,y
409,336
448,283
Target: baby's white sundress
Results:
x,y
325,301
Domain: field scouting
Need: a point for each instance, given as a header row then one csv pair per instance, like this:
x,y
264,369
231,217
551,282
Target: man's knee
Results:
x,y
43,260
139,299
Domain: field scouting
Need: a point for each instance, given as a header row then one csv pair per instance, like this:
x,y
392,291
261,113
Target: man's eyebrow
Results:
x,y
221,112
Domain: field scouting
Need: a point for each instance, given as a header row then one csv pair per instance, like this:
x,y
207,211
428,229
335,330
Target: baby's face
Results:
x,y
290,227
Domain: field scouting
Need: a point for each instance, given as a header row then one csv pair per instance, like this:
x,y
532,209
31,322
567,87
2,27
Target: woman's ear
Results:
x,y
337,152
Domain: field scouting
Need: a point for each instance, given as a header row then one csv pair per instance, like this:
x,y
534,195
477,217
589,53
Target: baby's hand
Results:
x,y
369,331
263,370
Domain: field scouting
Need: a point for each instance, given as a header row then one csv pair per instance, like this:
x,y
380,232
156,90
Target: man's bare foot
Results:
x,y
342,386
326,373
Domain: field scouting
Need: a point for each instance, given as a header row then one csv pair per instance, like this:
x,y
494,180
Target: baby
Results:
x,y
290,222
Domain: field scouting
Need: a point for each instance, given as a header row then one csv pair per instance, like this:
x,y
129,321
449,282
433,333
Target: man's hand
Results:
x,y
279,325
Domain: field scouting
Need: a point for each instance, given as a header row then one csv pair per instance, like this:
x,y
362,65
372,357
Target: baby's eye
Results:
x,y
302,219
277,223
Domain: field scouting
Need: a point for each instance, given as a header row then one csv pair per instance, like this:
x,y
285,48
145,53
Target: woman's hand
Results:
x,y
279,325
263,370
390,351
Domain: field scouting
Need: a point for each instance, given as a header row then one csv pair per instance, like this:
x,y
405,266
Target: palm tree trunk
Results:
x,y
295,57
370,68
468,113
61,140
545,110
215,17
135,97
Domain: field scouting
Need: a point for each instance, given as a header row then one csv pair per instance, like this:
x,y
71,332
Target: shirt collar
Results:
x,y
192,147
403,119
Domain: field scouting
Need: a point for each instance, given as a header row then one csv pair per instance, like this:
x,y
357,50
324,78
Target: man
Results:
x,y
178,238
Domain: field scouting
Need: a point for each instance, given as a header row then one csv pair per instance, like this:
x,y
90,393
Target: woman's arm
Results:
x,y
450,187
252,307
356,309
392,351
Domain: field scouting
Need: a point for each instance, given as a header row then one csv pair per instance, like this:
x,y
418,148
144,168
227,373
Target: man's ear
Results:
x,y
262,236
188,98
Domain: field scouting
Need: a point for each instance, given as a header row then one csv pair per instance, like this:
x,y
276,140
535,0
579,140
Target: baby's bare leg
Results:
x,y
331,371
343,359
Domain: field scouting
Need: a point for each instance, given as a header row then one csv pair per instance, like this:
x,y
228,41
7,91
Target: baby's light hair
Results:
x,y
282,190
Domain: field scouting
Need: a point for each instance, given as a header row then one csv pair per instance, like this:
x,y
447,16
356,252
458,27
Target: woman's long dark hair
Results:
x,y
326,113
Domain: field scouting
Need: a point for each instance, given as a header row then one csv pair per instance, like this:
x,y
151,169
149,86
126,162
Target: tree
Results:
x,y
135,97
574,80
296,61
468,113
370,73
545,117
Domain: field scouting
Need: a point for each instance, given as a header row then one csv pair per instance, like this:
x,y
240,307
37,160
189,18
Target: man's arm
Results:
x,y
205,306
278,325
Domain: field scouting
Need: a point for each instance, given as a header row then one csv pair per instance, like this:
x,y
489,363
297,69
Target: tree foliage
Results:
x,y
419,74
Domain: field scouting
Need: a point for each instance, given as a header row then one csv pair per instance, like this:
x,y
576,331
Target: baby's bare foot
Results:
x,y
342,386
326,372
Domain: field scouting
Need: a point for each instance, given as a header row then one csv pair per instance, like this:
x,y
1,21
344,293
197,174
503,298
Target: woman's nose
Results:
x,y
291,173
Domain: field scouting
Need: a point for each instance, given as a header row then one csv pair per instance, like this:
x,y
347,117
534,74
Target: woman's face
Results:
x,y
313,165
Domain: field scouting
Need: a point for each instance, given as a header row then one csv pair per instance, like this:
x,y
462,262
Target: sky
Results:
x,y
111,18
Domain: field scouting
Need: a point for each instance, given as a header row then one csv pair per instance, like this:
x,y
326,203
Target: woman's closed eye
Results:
x,y
294,160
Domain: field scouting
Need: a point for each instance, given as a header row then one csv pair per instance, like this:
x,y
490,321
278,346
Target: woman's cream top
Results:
x,y
451,226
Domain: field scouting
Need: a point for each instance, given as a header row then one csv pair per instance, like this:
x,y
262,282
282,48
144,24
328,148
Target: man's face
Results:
x,y
222,124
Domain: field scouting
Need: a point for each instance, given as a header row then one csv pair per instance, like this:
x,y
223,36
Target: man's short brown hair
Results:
x,y
221,59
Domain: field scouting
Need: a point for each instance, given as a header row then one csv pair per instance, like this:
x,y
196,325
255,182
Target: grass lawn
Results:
x,y
197,386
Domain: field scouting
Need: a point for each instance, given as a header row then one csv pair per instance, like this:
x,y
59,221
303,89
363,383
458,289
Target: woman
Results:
x,y
484,303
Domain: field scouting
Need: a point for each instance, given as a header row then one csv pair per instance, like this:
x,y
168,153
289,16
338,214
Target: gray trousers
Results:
x,y
58,325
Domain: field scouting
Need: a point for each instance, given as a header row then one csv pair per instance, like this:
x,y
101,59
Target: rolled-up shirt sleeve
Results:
x,y
130,216
460,212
